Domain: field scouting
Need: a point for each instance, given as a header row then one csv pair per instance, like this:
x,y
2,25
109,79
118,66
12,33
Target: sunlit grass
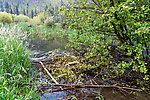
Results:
x,y
14,65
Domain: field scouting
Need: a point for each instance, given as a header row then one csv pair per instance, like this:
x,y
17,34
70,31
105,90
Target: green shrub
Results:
x,y
39,19
21,18
36,20
5,18
42,17
49,22
113,36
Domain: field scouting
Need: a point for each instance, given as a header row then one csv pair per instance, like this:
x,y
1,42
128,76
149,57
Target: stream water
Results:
x,y
83,93
47,45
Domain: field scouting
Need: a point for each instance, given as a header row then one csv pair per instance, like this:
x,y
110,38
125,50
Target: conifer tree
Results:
x,y
32,13
27,8
2,8
17,10
11,9
24,11
7,7
46,7
35,12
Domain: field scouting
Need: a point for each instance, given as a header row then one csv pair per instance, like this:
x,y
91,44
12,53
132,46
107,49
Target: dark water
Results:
x,y
53,96
81,94
93,94
47,45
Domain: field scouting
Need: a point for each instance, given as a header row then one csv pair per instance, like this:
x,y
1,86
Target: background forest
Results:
x,y
30,7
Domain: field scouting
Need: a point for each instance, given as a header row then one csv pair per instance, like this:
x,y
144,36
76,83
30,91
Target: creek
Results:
x,y
39,46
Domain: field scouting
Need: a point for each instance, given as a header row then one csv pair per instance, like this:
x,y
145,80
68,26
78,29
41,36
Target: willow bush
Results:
x,y
5,18
49,22
112,35
21,18
39,19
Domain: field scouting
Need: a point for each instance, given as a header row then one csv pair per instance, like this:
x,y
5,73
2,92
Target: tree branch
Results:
x,y
83,86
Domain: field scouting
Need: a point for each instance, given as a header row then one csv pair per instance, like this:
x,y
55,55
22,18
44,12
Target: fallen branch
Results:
x,y
83,86
48,73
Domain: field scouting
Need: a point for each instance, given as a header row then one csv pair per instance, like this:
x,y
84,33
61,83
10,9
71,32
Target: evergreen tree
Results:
x,y
11,9
46,7
35,12
50,4
16,10
24,11
27,11
2,8
27,8
32,13
7,7
1,5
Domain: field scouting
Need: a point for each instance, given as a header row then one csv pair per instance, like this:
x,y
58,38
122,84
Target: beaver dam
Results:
x,y
60,75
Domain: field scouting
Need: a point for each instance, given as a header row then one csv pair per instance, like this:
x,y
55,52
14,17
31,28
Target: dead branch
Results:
x,y
48,73
84,86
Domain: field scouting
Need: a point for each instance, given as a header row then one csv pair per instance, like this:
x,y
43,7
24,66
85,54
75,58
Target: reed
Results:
x,y
15,65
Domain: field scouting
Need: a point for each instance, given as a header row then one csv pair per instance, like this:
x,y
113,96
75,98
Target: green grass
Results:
x,y
15,65
39,31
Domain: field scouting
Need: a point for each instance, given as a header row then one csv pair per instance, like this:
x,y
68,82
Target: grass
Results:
x,y
39,31
15,65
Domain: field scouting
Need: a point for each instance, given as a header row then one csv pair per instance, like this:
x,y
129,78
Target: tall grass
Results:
x,y
15,65
40,31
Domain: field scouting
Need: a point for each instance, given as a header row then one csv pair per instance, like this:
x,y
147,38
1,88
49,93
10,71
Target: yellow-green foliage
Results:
x,y
36,20
39,19
5,18
43,18
21,18
49,22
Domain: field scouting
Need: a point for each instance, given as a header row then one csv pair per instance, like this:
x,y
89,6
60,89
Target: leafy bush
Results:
x,y
39,19
5,18
49,22
21,18
36,20
113,35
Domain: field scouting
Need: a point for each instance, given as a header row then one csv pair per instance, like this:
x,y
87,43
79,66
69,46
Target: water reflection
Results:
x,y
47,45
53,96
